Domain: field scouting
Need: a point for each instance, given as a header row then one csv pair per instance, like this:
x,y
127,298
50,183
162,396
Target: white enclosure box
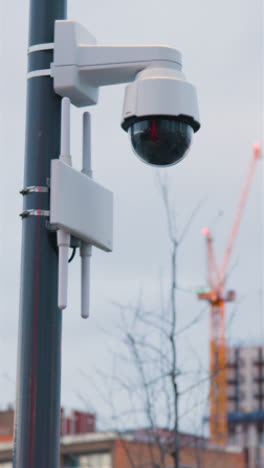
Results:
x,y
81,206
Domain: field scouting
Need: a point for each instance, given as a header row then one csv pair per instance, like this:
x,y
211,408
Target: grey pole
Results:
x,y
37,420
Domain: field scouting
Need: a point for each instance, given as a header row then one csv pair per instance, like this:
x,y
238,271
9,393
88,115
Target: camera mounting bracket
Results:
x,y
80,66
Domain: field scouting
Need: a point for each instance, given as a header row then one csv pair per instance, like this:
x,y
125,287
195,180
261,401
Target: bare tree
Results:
x,y
147,382
150,337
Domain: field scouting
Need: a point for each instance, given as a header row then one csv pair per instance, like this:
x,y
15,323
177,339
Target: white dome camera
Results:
x,y
160,113
160,110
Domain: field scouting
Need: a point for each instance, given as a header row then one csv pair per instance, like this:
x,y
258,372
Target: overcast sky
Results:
x,y
221,44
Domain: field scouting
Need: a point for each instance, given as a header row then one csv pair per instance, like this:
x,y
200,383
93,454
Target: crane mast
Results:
x,y
217,296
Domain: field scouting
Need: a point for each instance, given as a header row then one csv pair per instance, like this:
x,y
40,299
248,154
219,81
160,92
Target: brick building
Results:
x,y
6,424
107,450
75,422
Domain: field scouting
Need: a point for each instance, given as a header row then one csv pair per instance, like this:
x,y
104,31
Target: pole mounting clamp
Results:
x,y
34,189
27,213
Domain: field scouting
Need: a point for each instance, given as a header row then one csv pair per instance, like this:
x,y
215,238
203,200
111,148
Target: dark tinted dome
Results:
x,y
159,141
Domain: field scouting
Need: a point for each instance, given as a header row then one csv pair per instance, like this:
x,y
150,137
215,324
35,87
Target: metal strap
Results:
x,y
27,213
34,189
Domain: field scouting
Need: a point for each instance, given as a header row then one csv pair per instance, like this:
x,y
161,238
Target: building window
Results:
x,y
93,460
260,435
187,466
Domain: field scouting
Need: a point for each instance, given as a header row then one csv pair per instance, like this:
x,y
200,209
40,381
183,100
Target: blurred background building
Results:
x,y
245,393
74,422
134,450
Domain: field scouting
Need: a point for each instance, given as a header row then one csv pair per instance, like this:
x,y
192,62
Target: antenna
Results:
x,y
86,249
80,209
63,237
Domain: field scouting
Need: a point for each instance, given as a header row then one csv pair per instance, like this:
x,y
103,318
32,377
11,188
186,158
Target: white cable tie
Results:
x,y
37,73
38,47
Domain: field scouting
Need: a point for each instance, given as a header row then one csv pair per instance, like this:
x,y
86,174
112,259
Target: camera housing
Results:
x,y
160,140
160,114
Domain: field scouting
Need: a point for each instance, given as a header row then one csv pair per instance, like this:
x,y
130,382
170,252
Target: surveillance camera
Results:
x,y
160,110
160,114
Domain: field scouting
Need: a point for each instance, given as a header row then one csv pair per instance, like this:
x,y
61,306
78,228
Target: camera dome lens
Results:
x,y
160,141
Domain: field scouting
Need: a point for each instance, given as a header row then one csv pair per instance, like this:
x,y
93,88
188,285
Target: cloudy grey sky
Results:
x,y
221,43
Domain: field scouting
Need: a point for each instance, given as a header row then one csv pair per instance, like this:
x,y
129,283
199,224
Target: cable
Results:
x,y
72,255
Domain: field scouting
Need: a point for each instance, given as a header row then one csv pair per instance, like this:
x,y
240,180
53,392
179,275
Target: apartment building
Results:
x,y
245,388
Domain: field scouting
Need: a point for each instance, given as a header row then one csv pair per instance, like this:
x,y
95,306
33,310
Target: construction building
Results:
x,y
245,393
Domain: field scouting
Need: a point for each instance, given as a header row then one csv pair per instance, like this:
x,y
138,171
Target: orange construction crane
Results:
x,y
217,296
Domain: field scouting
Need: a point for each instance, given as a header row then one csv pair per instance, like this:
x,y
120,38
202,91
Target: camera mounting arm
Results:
x,y
80,66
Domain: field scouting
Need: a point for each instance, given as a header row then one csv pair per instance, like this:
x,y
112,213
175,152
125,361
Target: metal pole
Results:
x,y
37,421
